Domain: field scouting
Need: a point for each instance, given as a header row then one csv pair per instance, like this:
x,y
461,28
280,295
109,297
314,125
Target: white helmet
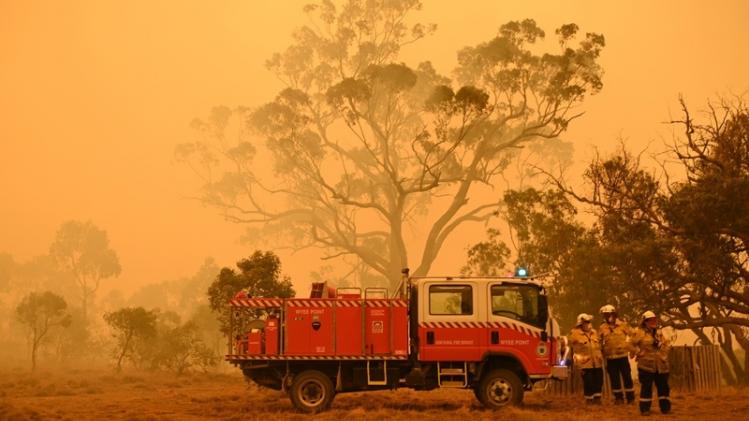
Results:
x,y
584,317
648,315
608,308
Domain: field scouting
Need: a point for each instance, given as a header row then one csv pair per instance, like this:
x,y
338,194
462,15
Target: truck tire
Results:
x,y
311,391
500,388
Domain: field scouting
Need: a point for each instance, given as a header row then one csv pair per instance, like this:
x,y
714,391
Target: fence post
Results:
x,y
717,369
697,368
692,370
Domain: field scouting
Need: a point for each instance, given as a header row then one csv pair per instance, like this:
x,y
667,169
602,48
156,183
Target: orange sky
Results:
x,y
94,95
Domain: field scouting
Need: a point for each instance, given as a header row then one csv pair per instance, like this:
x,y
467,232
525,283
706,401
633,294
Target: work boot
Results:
x,y
665,405
630,397
644,408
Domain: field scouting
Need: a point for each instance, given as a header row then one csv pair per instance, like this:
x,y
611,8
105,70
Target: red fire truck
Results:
x,y
493,335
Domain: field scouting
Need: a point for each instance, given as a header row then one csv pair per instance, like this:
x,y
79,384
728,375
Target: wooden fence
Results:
x,y
692,368
695,368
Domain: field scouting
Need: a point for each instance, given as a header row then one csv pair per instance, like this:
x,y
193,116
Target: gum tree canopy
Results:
x,y
360,148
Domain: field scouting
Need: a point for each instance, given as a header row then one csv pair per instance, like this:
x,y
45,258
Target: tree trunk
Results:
x,y
33,355
744,343
727,346
122,354
35,339
397,247
84,304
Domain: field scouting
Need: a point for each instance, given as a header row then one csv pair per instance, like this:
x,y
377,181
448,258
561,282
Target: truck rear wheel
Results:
x,y
500,388
311,391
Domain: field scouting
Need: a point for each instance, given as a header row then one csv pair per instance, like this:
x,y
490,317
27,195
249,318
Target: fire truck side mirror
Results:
x,y
543,309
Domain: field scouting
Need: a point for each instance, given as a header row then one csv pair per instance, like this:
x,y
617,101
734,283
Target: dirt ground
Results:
x,y
103,395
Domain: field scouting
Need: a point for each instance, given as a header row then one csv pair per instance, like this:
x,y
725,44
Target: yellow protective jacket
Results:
x,y
586,348
616,339
651,350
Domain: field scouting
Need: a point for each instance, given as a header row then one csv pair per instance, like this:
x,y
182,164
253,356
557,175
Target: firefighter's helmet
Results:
x,y
583,317
608,308
648,315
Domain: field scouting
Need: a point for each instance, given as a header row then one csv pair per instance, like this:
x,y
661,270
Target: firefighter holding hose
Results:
x,y
615,337
586,349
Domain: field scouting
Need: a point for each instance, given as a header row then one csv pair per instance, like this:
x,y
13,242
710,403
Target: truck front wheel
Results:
x,y
311,391
500,388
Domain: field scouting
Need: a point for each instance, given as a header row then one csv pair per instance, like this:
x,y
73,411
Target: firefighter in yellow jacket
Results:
x,y
651,350
615,336
586,349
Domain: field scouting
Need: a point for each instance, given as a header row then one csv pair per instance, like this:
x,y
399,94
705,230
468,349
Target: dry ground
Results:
x,y
103,395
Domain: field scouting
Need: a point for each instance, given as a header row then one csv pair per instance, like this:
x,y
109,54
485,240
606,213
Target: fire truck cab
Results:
x,y
493,335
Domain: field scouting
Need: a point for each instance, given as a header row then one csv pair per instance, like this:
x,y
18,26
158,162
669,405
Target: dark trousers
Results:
x,y
618,369
592,384
646,390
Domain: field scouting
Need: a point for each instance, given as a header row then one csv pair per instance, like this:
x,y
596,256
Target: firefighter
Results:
x,y
651,350
586,350
615,338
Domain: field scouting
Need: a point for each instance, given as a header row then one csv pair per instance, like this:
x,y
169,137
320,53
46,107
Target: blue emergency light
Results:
x,y
521,272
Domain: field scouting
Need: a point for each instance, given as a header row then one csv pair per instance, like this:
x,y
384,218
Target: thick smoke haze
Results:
x,y
94,96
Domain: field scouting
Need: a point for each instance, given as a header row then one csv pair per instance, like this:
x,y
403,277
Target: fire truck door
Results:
x,y
512,313
449,328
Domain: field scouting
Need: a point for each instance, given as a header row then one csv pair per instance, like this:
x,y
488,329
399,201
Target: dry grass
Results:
x,y
89,395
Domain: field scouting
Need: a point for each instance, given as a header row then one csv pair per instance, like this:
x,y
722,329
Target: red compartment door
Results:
x,y
297,334
377,327
271,336
321,327
399,326
348,321
309,327
254,342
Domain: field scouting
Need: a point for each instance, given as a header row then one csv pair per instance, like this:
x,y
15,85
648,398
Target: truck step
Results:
x,y
452,371
452,383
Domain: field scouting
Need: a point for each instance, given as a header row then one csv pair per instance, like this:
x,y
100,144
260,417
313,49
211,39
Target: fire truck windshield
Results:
x,y
519,302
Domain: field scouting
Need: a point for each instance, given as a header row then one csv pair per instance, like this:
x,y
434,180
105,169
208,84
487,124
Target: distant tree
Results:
x,y
7,269
180,348
150,354
83,250
75,341
356,135
160,295
41,312
182,295
192,289
113,300
259,275
130,325
174,345
209,328
489,257
42,273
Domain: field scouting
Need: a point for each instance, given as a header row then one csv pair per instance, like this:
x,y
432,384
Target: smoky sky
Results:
x,y
95,95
